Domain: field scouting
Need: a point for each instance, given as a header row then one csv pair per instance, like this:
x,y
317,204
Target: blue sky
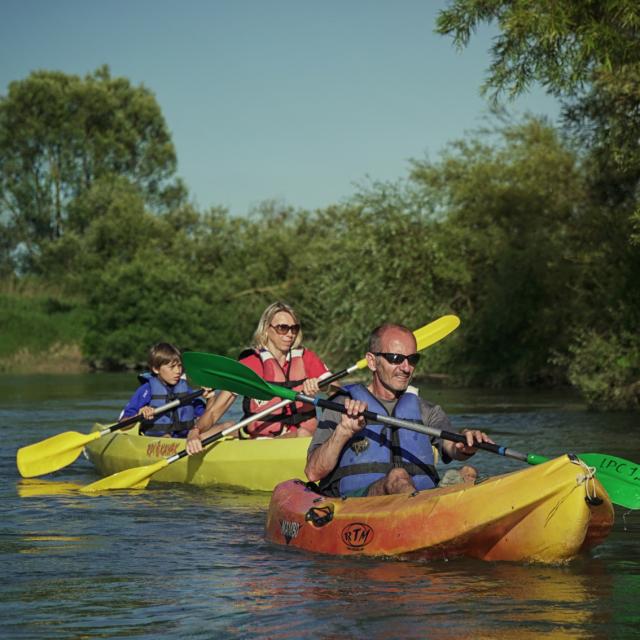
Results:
x,y
296,100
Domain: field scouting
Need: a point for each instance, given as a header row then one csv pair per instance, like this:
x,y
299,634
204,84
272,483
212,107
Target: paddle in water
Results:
x,y
224,373
62,449
139,477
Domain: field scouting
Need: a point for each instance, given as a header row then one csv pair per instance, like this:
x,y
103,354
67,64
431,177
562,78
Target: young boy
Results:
x,y
164,384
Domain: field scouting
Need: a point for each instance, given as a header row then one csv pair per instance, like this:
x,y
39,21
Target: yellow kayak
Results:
x,y
546,513
258,464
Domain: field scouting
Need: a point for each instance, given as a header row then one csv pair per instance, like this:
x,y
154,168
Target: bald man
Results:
x,y
349,457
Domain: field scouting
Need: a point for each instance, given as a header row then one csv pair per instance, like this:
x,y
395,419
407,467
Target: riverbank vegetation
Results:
x,y
529,232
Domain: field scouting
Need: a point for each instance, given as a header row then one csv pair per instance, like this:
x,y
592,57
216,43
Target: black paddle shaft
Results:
x,y
417,426
178,402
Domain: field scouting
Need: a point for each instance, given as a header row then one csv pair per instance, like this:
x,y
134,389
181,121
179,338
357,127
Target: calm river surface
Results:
x,y
180,562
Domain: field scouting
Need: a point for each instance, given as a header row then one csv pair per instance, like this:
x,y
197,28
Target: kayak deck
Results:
x,y
257,464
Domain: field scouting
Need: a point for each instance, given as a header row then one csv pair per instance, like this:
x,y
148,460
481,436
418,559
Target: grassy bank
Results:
x,y
40,331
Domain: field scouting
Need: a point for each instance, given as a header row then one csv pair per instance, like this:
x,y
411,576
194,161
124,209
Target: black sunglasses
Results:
x,y
283,329
399,358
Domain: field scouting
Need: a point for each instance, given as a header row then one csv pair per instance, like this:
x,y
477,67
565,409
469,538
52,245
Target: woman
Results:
x,y
276,356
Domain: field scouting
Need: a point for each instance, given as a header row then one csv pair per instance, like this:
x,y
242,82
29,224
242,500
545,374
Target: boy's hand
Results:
x,y
147,413
209,394
194,443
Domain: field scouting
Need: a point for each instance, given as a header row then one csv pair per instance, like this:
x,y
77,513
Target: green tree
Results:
x,y
588,54
512,204
60,133
559,44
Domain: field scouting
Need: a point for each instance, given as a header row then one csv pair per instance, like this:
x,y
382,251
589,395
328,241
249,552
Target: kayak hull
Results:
x,y
538,514
257,464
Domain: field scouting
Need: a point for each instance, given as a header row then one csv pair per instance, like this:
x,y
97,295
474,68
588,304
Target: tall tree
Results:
x,y
559,44
513,208
588,54
60,133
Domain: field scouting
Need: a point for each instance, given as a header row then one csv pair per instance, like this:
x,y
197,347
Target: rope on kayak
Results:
x,y
588,478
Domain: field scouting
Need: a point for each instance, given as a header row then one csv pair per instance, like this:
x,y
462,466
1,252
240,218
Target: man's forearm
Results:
x,y
324,458
215,411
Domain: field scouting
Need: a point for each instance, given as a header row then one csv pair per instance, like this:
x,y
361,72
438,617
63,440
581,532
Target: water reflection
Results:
x,y
186,562
383,599
39,487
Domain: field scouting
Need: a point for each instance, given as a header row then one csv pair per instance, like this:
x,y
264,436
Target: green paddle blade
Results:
x,y
620,478
135,478
218,372
53,453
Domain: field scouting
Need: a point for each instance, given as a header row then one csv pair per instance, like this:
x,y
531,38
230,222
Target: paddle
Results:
x,y
62,449
425,337
224,373
138,477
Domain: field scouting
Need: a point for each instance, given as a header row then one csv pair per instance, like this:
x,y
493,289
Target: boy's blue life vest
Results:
x,y
378,448
176,422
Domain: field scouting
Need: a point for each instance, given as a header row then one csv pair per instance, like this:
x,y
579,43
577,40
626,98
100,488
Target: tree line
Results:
x,y
529,232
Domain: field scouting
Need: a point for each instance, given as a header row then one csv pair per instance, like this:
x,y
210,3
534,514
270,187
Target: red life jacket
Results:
x,y
292,417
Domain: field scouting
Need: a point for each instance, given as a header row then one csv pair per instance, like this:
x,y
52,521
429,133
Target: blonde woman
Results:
x,y
277,356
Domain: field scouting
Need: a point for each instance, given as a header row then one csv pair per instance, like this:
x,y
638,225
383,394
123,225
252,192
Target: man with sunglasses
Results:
x,y
349,457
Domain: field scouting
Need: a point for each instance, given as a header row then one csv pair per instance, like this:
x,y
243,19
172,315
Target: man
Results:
x,y
351,458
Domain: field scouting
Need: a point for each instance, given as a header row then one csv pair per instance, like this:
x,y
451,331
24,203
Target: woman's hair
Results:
x,y
163,353
260,336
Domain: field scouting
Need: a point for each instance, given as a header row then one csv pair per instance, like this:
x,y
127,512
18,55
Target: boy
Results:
x,y
164,384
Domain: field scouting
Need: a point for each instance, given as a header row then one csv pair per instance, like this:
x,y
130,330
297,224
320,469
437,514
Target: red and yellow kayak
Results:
x,y
547,513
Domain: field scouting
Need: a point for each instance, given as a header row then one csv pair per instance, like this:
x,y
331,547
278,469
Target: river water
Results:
x,y
182,562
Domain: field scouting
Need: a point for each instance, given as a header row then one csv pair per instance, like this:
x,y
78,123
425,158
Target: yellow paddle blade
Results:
x,y
435,331
53,453
428,334
136,478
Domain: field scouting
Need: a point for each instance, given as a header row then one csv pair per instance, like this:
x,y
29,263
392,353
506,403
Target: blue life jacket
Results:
x,y
178,421
378,448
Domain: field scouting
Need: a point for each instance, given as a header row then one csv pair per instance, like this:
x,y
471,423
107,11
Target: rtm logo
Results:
x,y
357,535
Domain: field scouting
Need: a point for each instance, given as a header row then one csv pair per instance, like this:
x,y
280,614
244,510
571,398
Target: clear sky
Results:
x,y
297,100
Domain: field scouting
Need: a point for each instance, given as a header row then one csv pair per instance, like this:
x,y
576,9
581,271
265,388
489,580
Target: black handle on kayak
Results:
x,y
417,426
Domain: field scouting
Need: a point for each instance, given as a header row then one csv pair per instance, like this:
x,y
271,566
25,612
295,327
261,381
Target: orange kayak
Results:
x,y
546,513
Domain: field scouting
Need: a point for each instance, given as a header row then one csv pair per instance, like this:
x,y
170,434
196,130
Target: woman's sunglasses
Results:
x,y
399,358
283,329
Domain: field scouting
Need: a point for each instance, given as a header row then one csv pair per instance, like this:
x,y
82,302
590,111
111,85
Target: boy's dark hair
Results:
x,y
163,353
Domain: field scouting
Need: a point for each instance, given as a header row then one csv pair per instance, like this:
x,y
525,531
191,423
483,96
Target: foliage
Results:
x,y
559,44
36,323
377,258
59,134
512,206
606,369
588,54
528,233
